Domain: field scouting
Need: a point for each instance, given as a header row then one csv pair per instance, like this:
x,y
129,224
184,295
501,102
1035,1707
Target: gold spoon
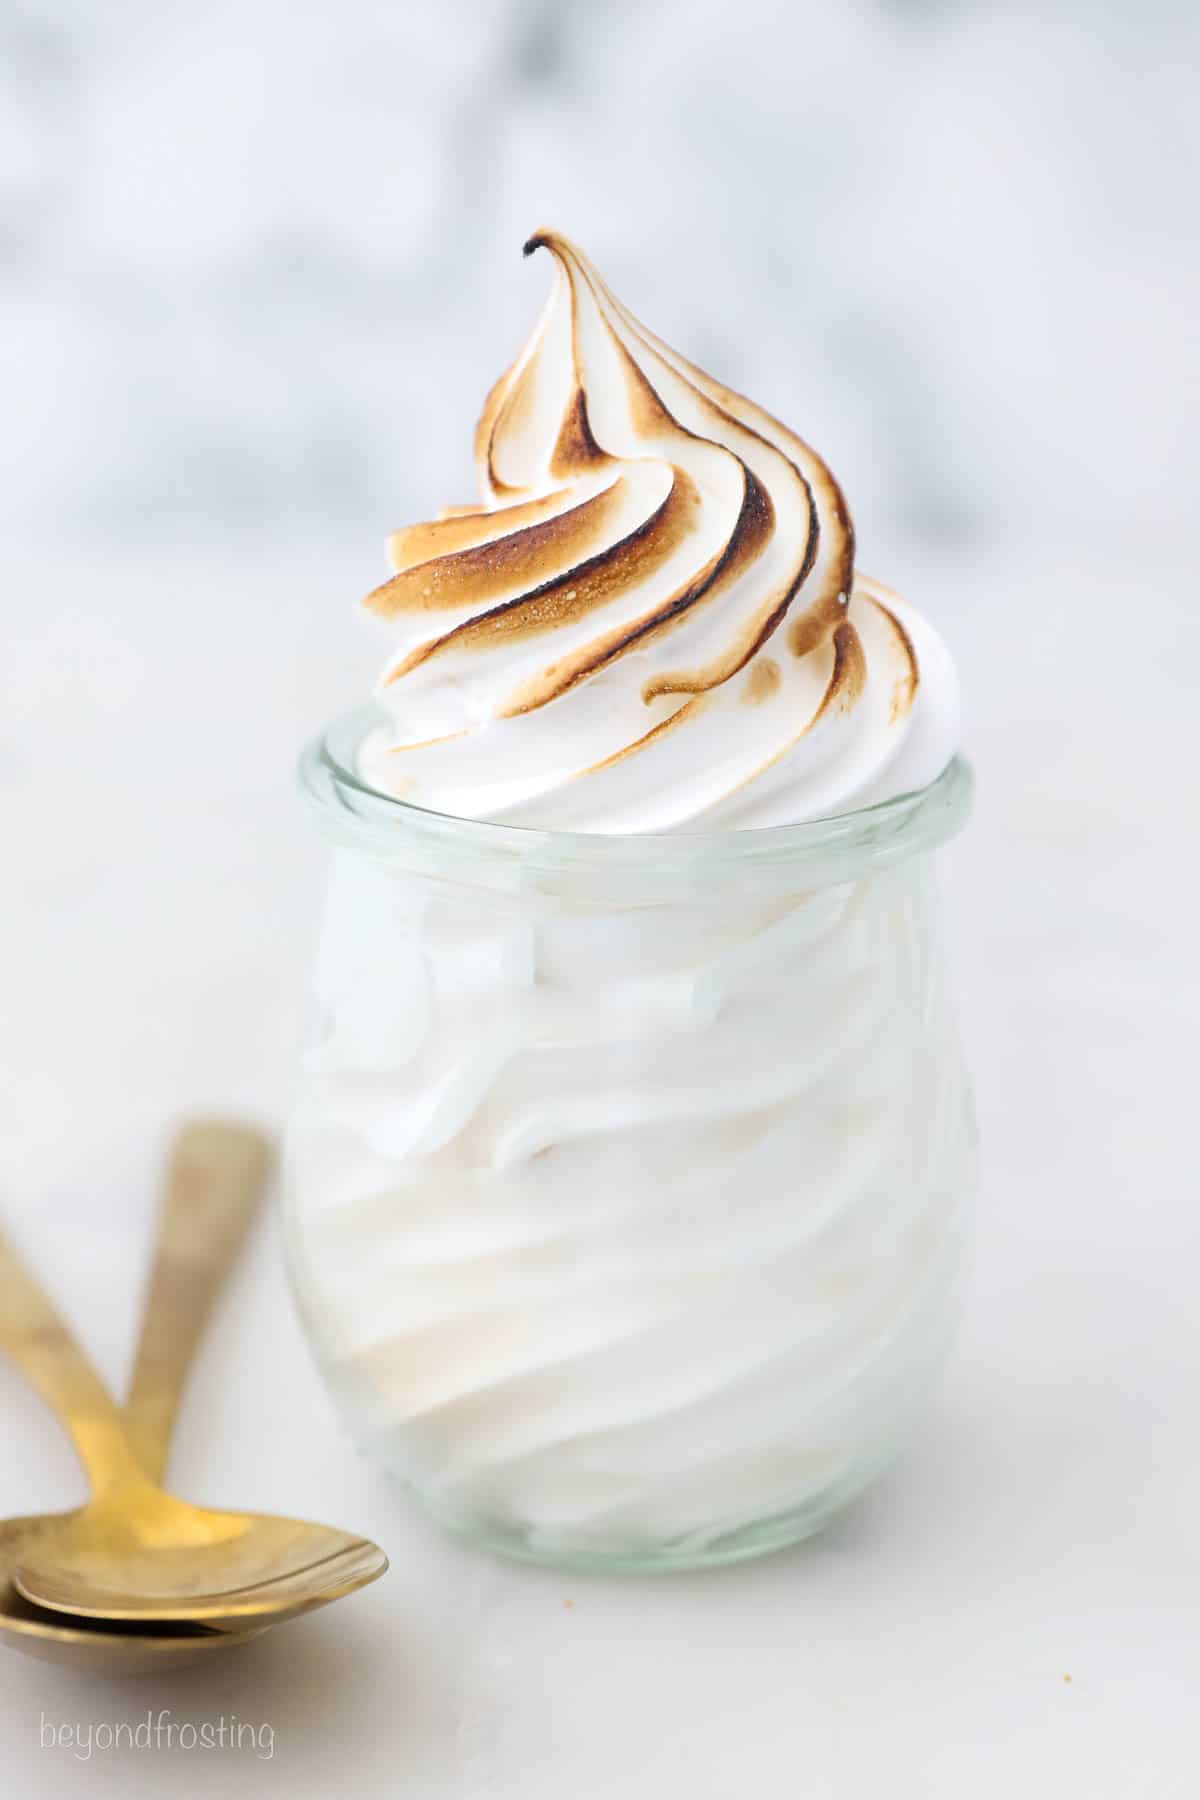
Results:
x,y
215,1181
135,1553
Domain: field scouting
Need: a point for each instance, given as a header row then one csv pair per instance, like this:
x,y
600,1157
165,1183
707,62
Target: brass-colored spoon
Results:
x,y
215,1181
135,1552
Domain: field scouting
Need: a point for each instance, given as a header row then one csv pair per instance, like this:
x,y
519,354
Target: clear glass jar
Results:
x,y
626,1193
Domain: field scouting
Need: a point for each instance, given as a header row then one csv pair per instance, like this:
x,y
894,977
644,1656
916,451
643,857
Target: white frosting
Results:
x,y
652,620
620,1230
626,1225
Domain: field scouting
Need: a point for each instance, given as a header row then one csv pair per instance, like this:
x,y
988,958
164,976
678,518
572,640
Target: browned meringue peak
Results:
x,y
645,537
569,530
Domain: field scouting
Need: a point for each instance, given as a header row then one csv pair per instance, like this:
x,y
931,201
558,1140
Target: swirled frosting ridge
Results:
x,y
652,620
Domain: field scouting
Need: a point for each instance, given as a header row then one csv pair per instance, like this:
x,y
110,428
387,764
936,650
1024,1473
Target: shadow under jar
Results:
x,y
627,1189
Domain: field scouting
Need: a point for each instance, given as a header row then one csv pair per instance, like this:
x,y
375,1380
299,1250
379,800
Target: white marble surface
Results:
x,y
260,260
159,898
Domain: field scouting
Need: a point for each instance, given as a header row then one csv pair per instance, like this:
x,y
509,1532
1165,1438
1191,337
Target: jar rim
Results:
x,y
872,835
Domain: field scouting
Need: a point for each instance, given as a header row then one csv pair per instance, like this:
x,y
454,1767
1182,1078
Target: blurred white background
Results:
x,y
259,262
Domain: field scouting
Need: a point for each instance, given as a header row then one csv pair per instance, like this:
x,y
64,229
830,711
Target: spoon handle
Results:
x,y
216,1178
37,1339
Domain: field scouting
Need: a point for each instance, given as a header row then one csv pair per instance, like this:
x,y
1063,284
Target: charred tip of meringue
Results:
x,y
554,241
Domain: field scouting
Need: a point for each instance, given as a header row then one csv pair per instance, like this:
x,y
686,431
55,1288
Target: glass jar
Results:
x,y
627,1191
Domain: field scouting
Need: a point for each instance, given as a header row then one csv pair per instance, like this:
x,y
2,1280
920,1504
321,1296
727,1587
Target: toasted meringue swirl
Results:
x,y
652,621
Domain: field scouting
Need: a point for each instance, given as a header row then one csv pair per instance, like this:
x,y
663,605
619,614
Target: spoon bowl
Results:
x,y
103,1647
138,1554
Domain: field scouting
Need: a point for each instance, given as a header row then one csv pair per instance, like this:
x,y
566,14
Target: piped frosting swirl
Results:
x,y
652,621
